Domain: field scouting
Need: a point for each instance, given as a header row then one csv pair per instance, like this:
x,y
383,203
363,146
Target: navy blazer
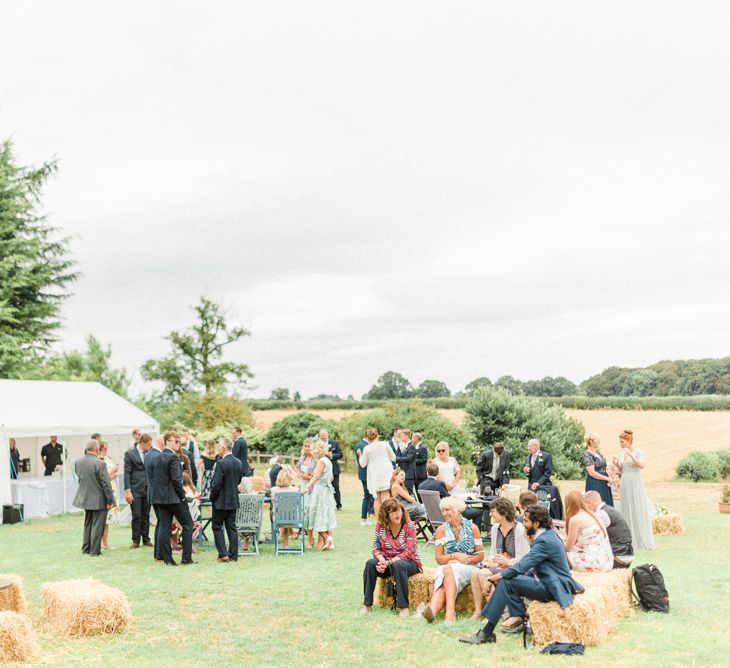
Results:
x,y
335,456
542,470
549,563
240,452
406,460
167,483
421,461
224,486
433,485
135,474
149,464
362,472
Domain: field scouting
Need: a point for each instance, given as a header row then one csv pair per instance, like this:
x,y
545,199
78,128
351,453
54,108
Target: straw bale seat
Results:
x,y
18,642
669,524
420,590
593,614
85,608
11,593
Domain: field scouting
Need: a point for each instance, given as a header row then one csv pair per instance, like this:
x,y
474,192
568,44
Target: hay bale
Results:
x,y
511,492
11,593
593,614
420,590
667,525
18,642
85,608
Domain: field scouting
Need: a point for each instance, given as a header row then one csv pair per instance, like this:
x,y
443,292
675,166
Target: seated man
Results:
x,y
527,499
551,579
619,534
431,484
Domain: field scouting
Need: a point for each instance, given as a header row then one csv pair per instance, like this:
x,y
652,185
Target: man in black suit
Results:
x,y
94,495
431,484
493,469
224,496
135,490
240,450
405,458
191,450
149,464
421,459
335,454
168,495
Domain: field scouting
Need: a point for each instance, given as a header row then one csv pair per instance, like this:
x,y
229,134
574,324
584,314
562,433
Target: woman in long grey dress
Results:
x,y
319,511
635,504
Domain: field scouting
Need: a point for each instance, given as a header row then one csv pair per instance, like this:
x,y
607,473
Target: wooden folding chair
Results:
x,y
431,501
248,521
287,512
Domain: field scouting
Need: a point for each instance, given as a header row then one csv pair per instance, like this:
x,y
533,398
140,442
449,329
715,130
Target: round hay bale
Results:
x,y
12,596
668,525
85,608
18,642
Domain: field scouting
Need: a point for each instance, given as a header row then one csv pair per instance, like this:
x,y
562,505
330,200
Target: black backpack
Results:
x,y
648,588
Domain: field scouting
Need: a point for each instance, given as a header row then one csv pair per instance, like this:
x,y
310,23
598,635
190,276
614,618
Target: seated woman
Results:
x,y
458,551
587,542
508,545
395,554
284,483
415,510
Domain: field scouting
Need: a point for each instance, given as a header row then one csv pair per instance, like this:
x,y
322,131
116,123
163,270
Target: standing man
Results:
x,y
193,453
52,456
135,489
335,454
94,495
136,434
169,496
421,459
224,496
493,469
240,450
538,466
405,458
149,463
362,476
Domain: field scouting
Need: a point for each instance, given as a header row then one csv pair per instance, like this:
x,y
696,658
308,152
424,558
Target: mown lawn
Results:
x,y
293,610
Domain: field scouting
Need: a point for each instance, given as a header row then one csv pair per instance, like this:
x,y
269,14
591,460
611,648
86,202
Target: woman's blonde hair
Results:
x,y
454,503
439,444
591,438
283,478
320,449
210,449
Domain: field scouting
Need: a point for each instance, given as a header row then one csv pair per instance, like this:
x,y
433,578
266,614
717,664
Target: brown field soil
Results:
x,y
664,436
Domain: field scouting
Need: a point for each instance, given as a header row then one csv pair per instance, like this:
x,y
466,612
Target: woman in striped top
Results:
x,y
395,554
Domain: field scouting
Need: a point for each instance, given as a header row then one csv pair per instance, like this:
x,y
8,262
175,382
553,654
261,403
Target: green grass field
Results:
x,y
304,610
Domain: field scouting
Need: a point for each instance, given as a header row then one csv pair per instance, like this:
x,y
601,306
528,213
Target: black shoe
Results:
x,y
479,638
187,562
513,629
148,543
171,563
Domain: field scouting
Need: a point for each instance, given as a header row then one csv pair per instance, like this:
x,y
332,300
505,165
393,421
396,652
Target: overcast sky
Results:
x,y
445,190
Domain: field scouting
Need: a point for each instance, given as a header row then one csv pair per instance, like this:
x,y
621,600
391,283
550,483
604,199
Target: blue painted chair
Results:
x,y
287,512
248,521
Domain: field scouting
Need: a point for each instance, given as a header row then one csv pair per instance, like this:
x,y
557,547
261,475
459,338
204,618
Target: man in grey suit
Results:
x,y
94,495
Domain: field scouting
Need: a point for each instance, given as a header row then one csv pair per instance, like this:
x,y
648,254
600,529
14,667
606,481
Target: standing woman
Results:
x,y
305,470
14,459
449,470
113,470
635,505
319,512
378,457
208,457
597,477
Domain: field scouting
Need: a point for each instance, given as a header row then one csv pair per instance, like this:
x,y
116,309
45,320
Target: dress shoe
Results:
x,y
224,560
149,544
171,563
134,546
187,562
513,629
479,638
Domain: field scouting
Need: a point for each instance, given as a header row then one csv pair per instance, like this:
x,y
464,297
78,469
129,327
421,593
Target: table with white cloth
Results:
x,y
42,497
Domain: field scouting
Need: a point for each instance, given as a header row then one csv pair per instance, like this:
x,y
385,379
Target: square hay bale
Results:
x,y
667,525
593,614
85,608
420,590
18,642
12,596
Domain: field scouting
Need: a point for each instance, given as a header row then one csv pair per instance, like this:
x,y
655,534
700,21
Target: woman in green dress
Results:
x,y
319,512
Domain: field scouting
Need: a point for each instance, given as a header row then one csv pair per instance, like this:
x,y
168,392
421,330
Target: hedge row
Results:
x,y
698,466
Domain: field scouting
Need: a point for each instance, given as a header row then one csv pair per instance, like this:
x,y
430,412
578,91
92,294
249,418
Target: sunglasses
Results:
x,y
440,450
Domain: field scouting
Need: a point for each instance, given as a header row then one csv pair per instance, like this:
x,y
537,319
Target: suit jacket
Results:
x,y
406,460
362,471
95,488
486,462
273,473
240,452
135,474
224,486
149,462
542,470
421,461
433,485
167,484
335,456
549,563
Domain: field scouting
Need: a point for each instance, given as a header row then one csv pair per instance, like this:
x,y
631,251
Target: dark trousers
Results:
x,y
367,500
227,517
336,487
140,519
418,484
476,515
400,572
181,513
94,523
509,593
410,485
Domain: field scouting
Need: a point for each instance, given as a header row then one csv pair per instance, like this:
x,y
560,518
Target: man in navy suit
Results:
x,y
551,579
135,489
149,464
335,454
431,484
362,476
421,459
240,450
224,496
405,458
538,465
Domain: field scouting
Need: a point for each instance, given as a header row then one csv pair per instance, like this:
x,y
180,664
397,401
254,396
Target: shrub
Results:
x,y
698,466
724,456
255,437
202,411
496,415
286,435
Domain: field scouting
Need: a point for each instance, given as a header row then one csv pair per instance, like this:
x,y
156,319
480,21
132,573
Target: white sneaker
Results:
x,y
363,523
